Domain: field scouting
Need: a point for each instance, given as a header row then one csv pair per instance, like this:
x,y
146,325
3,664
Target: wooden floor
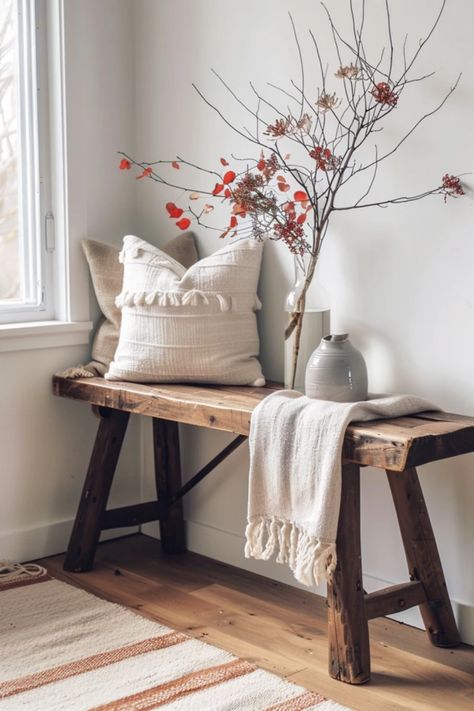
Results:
x,y
279,628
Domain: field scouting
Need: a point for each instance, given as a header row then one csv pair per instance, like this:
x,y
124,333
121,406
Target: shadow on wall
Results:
x,y
273,288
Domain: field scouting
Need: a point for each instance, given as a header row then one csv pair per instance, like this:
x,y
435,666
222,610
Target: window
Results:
x,y
26,226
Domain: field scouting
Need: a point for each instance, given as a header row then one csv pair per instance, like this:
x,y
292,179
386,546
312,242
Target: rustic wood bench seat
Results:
x,y
396,446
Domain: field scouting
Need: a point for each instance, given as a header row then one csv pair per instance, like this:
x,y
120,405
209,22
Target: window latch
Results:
x,y
50,232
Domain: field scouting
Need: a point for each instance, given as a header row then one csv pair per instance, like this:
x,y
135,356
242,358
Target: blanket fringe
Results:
x,y
76,371
10,572
311,559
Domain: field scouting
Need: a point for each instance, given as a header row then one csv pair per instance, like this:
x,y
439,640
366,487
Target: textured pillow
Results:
x,y
196,325
107,277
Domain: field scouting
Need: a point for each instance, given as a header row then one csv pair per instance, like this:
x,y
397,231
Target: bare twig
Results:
x,y
300,56
422,44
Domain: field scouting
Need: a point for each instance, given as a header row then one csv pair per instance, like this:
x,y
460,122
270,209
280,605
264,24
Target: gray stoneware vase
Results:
x,y
336,371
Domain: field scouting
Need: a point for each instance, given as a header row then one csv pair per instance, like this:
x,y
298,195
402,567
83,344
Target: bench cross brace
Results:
x,y
92,516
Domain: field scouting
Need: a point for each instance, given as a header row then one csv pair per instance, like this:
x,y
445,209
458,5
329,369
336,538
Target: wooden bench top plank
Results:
x,y
395,444
220,407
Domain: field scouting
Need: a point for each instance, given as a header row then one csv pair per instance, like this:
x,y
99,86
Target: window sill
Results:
x,y
43,334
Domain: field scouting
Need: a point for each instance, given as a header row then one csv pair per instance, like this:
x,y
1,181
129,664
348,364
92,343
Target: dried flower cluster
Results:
x,y
325,160
328,102
269,167
292,234
452,186
383,94
349,72
289,126
281,127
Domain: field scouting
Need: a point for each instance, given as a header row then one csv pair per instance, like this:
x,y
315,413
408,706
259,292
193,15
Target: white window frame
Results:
x,y
68,204
36,236
64,317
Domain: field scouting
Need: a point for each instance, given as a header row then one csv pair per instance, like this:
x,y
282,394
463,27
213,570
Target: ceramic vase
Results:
x,y
336,371
315,326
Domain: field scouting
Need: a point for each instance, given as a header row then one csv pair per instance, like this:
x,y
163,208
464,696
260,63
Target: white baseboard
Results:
x,y
228,547
48,539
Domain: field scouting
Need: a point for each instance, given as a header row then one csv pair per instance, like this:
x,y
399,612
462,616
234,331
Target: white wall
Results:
x,y
398,280
45,442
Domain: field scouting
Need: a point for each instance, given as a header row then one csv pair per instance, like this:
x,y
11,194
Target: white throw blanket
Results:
x,y
295,476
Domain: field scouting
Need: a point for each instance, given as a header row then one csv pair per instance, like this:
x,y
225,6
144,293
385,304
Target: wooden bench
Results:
x,y
397,446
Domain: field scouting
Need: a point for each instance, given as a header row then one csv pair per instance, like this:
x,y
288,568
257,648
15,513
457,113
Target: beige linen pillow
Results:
x,y
196,325
107,277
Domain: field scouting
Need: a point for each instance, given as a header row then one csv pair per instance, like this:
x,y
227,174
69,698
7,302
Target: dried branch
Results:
x,y
393,201
422,44
374,174
234,95
413,128
300,57
292,199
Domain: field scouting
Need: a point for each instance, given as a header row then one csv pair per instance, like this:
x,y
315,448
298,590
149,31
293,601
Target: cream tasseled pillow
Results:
x,y
196,325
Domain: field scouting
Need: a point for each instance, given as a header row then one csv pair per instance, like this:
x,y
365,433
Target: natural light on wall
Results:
x,y
23,167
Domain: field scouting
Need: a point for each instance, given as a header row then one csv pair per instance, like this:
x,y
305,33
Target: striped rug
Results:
x,y
62,648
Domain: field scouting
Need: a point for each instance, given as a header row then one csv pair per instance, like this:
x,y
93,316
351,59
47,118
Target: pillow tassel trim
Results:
x,y
193,297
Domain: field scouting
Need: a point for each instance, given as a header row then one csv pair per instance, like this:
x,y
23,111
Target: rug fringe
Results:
x,y
16,571
311,559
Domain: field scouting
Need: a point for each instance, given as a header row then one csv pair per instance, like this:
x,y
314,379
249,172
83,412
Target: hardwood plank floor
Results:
x,y
277,627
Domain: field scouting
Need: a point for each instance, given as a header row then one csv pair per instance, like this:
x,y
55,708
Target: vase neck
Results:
x,y
335,343
337,338
299,266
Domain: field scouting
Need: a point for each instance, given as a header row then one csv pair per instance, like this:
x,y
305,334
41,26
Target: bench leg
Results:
x,y
168,482
423,558
349,652
102,465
